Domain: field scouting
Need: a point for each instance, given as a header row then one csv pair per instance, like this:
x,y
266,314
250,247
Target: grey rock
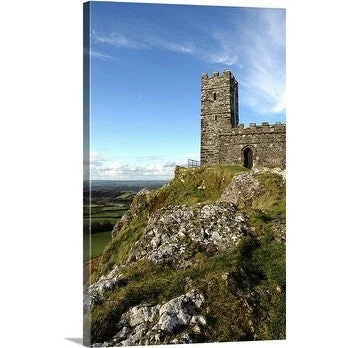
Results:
x,y
109,282
171,230
243,190
166,323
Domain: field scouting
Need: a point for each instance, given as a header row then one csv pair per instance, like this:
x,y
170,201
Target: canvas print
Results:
x,y
184,174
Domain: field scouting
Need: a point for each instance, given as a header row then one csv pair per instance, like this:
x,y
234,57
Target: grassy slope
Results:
x,y
183,189
106,216
195,185
257,266
98,242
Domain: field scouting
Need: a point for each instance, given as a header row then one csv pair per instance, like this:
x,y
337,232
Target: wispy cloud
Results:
x,y
117,40
220,53
281,105
255,47
99,55
225,50
175,47
264,55
102,56
148,158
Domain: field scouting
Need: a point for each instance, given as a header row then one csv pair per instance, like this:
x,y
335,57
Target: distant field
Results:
x,y
104,213
126,195
103,218
98,243
110,199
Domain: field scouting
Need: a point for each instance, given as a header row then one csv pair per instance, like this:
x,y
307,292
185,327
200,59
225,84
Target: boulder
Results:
x,y
243,190
109,282
178,320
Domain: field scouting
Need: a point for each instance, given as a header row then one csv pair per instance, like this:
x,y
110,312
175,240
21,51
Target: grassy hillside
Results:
x,y
189,186
244,288
195,185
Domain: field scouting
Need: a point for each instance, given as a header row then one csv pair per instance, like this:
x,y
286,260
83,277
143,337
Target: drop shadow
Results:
x,y
77,340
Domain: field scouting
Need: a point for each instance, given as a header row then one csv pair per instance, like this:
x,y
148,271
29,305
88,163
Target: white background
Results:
x,y
41,172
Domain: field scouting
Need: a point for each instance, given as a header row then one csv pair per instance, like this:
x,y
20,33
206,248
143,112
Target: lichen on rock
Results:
x,y
109,282
179,319
242,190
172,230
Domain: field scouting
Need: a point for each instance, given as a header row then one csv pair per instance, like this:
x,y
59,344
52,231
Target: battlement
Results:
x,y
253,128
216,76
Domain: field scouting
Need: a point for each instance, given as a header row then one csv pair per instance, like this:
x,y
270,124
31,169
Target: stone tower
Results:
x,y
219,112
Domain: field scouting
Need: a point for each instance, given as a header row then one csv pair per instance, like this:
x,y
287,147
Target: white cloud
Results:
x,y
106,166
172,46
102,56
264,53
95,54
136,168
118,40
281,105
133,172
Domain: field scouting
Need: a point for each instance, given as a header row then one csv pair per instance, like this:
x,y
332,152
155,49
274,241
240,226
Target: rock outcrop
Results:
x,y
176,321
138,205
174,234
109,282
242,190
245,188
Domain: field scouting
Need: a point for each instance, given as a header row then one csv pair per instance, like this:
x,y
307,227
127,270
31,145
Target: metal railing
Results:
x,y
193,163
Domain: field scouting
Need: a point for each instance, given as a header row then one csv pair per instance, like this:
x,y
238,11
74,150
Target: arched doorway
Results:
x,y
248,158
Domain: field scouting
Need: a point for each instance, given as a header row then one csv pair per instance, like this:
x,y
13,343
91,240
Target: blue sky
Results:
x,y
146,65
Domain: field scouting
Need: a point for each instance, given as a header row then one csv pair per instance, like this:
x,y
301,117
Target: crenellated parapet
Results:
x,y
264,128
217,80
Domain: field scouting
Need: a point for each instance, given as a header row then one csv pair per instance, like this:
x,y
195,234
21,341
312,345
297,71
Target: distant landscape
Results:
x,y
109,200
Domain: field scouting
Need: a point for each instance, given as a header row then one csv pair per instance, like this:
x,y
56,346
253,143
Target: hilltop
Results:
x,y
202,259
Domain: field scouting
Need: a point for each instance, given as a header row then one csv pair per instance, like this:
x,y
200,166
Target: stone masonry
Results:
x,y
224,140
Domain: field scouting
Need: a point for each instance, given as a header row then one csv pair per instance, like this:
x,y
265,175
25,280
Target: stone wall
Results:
x,y
267,143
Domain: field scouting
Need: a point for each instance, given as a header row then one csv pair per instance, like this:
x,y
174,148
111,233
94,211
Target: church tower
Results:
x,y
219,112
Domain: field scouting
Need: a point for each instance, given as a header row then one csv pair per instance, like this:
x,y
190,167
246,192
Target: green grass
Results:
x,y
103,215
108,214
195,185
98,243
118,249
272,202
113,211
98,218
126,195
